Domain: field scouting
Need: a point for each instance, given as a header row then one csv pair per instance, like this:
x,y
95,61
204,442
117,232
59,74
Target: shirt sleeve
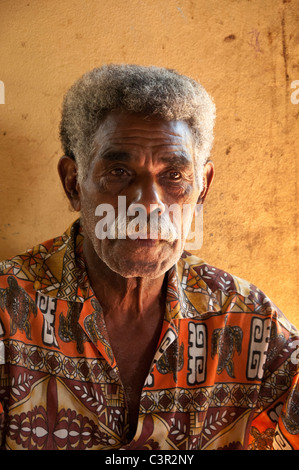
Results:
x,y
286,435
276,424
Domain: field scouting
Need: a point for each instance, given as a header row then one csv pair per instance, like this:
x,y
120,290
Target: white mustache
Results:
x,y
153,227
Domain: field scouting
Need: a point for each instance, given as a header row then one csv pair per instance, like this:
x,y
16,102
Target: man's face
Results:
x,y
151,163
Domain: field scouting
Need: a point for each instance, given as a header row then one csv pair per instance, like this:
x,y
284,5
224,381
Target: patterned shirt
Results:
x,y
224,375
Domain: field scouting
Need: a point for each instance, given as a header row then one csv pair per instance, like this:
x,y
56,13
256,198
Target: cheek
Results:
x,y
89,197
87,213
88,206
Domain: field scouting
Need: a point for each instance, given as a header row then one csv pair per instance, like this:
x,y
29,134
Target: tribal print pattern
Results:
x,y
224,375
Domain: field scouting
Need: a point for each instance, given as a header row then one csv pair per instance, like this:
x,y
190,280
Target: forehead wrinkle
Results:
x,y
113,150
113,145
115,140
139,132
179,159
144,140
116,130
111,155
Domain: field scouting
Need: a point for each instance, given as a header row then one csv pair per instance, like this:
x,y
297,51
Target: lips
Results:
x,y
146,242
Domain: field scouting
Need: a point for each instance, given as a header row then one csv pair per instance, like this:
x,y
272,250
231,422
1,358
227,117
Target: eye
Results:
x,y
118,172
174,175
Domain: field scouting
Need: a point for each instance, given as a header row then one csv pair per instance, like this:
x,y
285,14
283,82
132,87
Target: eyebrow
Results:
x,y
116,156
179,160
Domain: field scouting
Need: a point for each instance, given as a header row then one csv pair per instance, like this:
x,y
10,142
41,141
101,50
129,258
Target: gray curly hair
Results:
x,y
152,91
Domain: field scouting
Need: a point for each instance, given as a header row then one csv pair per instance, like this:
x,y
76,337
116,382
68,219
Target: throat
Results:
x,y
133,310
124,296
134,341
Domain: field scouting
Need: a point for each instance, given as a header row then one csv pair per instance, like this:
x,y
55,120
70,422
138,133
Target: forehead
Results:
x,y
135,130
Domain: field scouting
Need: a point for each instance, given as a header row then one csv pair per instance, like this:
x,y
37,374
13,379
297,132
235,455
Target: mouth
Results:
x,y
146,242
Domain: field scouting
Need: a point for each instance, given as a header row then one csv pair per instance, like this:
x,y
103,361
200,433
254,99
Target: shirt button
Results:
x,y
113,374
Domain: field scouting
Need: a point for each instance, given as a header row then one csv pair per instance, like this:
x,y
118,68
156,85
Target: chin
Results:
x,y
129,265
150,272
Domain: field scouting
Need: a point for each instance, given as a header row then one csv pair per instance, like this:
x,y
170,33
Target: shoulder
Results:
x,y
216,278
232,293
26,266
32,265
220,281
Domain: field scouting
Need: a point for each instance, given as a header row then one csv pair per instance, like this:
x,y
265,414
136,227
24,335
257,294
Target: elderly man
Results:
x,y
130,342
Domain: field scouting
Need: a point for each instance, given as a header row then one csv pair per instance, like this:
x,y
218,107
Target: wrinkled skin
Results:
x,y
151,162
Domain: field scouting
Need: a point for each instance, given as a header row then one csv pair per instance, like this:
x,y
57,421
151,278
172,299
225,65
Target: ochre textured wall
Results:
x,y
246,53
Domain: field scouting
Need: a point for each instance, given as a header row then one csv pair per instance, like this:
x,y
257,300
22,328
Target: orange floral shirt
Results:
x,y
224,375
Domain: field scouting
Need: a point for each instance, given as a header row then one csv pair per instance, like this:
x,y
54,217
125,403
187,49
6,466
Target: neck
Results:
x,y
118,293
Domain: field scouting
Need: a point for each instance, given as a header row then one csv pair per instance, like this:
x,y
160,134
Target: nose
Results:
x,y
147,193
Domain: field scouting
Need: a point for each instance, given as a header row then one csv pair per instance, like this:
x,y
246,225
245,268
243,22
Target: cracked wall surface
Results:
x,y
246,53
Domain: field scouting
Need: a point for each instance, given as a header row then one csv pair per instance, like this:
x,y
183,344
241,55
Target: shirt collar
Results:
x,y
62,274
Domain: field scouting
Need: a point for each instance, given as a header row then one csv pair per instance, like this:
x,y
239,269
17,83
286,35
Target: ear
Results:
x,y
68,173
208,176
